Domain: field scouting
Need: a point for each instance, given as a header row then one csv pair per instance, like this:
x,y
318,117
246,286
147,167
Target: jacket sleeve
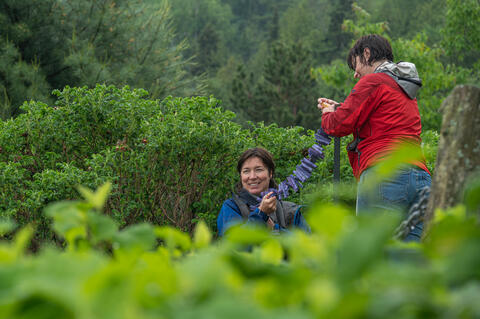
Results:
x,y
353,112
230,215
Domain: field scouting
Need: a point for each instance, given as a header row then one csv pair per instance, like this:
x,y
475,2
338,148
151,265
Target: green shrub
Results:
x,y
171,162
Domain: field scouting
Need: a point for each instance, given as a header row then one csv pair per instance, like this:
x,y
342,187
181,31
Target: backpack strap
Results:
x,y
289,211
280,214
284,214
242,206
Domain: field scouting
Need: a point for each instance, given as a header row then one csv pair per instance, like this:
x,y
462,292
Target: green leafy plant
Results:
x,y
170,162
348,267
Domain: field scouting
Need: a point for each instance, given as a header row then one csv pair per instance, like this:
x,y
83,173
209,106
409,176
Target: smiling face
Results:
x,y
255,176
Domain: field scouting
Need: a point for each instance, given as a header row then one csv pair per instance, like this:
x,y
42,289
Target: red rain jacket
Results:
x,y
380,114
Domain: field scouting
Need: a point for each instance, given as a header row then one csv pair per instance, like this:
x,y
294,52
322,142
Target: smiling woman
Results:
x,y
256,170
255,176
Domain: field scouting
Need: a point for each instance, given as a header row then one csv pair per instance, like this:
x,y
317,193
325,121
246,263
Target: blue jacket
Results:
x,y
230,215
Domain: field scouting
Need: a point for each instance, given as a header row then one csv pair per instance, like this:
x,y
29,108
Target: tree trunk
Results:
x,y
458,154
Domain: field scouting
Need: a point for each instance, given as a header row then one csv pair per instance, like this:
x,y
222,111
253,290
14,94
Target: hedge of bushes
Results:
x,y
170,162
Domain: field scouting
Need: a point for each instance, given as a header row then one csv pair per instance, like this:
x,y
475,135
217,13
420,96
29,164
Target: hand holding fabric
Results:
x,y
268,205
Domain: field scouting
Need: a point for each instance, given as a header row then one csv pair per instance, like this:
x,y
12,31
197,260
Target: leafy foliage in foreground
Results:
x,y
347,268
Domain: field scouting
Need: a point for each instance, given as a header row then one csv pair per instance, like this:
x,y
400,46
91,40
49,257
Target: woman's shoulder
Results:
x,y
369,83
230,204
375,79
229,201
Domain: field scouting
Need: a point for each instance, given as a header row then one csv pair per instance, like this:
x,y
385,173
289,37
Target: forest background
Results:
x,y
267,61
151,102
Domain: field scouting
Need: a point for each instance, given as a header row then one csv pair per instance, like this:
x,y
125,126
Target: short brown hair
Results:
x,y
380,49
264,156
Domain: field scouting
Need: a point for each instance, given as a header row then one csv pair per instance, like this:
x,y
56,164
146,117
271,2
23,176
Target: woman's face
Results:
x,y
255,176
362,69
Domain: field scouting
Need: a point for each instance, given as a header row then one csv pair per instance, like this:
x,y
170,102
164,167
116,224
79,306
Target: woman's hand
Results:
x,y
326,105
268,205
270,224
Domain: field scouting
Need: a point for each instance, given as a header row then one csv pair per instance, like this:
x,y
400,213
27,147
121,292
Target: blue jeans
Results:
x,y
396,193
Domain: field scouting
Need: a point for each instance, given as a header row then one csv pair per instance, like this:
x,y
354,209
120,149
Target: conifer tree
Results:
x,y
284,91
338,41
52,43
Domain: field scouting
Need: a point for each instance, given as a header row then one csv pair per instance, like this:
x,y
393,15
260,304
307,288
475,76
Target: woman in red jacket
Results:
x,y
381,111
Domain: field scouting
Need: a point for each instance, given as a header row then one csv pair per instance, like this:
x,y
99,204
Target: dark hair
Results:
x,y
264,156
380,49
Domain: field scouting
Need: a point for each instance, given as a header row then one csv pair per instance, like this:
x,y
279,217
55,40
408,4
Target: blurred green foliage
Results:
x,y
461,31
348,267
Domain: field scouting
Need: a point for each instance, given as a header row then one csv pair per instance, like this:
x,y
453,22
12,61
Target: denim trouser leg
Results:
x,y
397,194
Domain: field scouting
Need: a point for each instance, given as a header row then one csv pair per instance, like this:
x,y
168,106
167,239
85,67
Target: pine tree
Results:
x,y
22,76
338,41
51,43
285,91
